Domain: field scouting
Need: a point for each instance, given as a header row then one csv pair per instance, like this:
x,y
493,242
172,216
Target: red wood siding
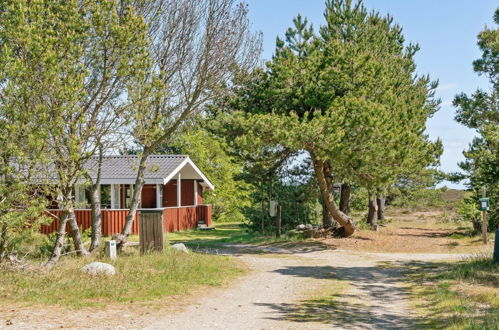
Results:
x,y
187,192
148,196
112,221
170,194
174,219
183,218
200,194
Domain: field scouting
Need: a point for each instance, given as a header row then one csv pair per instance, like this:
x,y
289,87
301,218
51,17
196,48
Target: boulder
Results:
x,y
300,227
309,226
180,247
98,268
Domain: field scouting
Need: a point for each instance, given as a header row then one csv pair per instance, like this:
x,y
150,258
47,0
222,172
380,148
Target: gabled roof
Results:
x,y
159,169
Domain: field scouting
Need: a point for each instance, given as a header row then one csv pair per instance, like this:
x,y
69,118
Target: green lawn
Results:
x,y
224,233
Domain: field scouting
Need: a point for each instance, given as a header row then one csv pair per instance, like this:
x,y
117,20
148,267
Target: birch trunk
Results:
x,y
122,237
96,216
59,241
95,205
75,233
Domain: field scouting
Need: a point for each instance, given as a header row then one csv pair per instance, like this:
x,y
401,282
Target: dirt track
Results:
x,y
302,285
274,295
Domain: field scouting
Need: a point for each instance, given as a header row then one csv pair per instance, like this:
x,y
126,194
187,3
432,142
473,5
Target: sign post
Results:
x,y
275,211
484,207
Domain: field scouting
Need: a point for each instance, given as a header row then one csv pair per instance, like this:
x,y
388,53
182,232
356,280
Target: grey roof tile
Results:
x,y
125,167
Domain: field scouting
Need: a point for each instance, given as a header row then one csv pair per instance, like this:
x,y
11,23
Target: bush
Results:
x,y
468,212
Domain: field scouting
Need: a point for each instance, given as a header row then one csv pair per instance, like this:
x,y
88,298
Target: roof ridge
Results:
x,y
150,156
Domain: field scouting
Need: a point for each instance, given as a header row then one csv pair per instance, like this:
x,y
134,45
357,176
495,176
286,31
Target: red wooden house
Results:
x,y
173,184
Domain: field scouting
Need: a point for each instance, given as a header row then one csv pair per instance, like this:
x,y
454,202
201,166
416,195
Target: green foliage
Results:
x,y
209,152
316,94
469,212
480,111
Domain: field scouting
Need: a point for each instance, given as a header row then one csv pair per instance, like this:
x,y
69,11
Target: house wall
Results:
x,y
170,194
200,194
148,196
186,191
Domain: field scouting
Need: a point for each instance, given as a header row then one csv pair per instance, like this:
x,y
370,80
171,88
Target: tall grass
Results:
x,y
138,279
462,295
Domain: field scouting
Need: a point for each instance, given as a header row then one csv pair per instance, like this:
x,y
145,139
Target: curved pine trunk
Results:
x,y
327,218
323,174
346,190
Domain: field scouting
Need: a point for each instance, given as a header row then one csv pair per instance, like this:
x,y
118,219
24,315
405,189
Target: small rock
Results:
x,y
180,247
301,227
98,268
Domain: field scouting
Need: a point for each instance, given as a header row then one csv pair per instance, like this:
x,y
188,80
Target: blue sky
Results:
x,y
446,30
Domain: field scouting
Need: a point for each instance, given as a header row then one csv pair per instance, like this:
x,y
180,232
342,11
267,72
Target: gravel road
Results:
x,y
273,295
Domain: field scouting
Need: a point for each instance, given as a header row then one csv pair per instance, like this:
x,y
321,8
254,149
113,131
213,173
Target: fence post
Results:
x,y
496,246
151,230
278,221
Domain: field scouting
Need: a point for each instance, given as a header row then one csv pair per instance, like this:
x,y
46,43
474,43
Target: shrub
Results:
x,y
468,212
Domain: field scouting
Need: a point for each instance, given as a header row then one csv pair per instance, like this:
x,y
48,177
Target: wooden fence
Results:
x,y
174,219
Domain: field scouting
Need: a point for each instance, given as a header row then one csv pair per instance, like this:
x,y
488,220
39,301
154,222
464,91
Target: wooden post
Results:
x,y
151,230
484,219
496,247
278,221
179,190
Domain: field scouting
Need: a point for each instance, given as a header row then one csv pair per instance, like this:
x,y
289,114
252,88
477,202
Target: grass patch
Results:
x,y
322,306
224,233
462,295
138,279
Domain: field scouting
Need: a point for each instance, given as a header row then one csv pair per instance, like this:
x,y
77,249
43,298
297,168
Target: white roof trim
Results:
x,y
198,171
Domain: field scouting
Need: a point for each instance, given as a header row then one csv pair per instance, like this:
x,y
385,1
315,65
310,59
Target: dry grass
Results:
x,y
139,279
463,295
416,232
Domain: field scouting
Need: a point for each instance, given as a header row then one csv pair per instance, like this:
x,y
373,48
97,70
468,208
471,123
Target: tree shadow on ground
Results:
x,y
352,308
346,309
285,248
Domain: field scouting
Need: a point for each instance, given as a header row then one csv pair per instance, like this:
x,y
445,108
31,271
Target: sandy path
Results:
x,y
277,293
273,294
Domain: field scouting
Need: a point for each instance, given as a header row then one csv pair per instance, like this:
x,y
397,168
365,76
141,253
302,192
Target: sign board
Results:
x,y
484,204
111,249
273,208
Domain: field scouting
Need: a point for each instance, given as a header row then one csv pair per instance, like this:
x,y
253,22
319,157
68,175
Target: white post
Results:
x,y
112,196
179,188
159,195
195,192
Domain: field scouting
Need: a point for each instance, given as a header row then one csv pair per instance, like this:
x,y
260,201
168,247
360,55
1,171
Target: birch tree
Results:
x,y
81,55
195,47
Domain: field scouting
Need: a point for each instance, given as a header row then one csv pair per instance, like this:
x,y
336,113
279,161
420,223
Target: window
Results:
x,y
128,195
105,196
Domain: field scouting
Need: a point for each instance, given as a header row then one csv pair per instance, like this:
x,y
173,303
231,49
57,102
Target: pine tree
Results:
x,y
480,111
